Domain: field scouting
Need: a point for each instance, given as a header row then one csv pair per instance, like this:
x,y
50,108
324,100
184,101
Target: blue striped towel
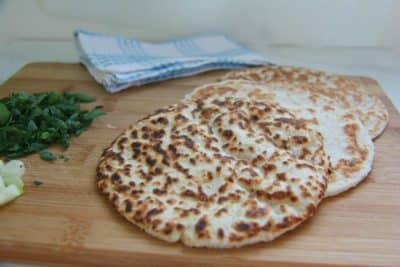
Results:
x,y
118,63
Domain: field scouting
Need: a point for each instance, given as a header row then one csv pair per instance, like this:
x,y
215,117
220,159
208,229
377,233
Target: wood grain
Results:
x,y
66,221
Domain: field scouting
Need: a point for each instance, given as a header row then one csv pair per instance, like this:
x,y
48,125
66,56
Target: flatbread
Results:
x,y
346,141
181,179
350,95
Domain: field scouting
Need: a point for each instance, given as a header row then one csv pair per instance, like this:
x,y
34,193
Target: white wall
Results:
x,y
359,37
258,23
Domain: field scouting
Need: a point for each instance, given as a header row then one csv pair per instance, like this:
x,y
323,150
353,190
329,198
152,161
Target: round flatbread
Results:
x,y
346,141
207,184
349,95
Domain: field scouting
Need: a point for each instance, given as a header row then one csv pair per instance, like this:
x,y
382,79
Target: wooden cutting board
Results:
x,y
66,221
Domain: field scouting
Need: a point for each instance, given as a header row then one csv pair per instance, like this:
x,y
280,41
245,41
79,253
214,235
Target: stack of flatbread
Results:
x,y
243,160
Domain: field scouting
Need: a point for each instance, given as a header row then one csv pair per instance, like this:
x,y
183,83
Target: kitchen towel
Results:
x,y
118,63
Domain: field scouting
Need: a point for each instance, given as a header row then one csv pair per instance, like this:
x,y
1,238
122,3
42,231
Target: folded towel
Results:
x,y
118,63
